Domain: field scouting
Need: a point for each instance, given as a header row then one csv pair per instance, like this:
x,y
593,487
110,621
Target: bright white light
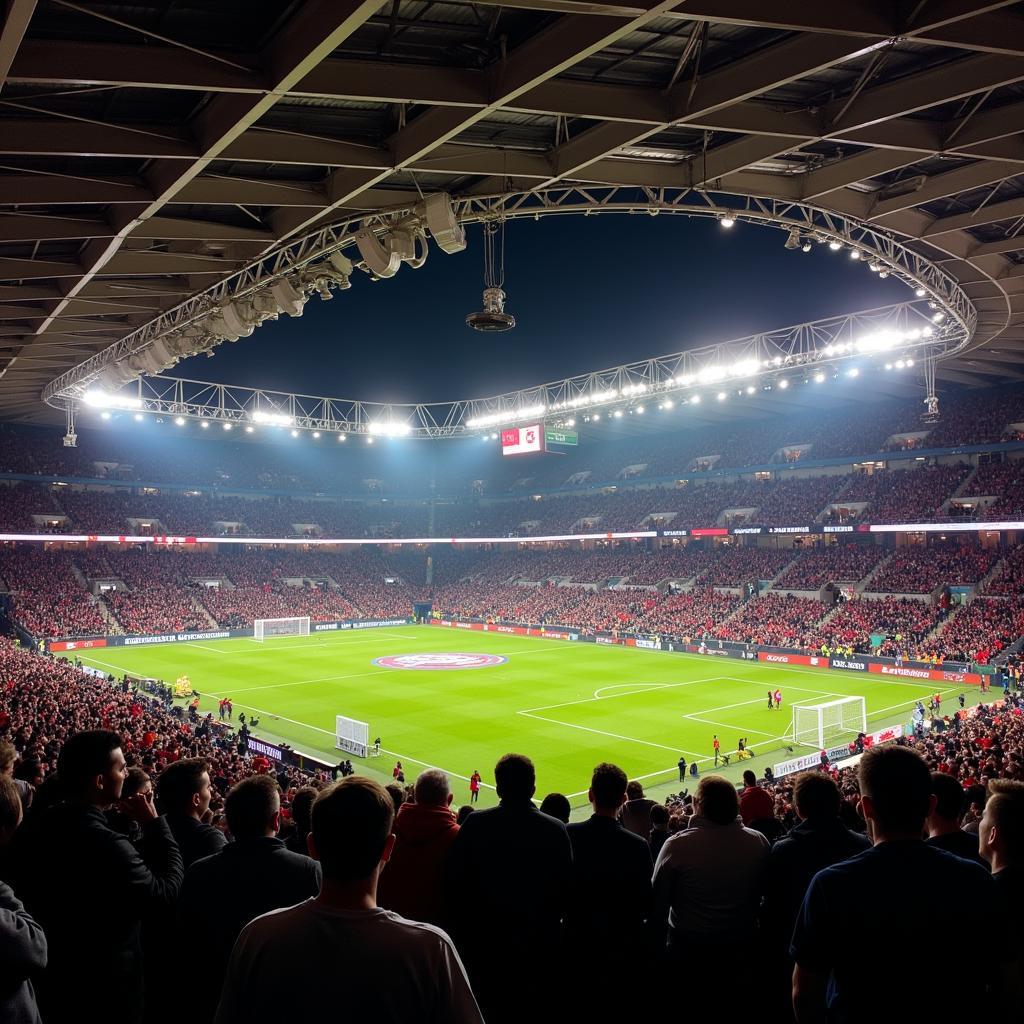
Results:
x,y
783,383
745,368
389,429
711,374
138,417
249,429
920,293
205,425
695,399
316,435
295,433
369,440
342,437
101,400
899,364
640,410
938,318
722,396
668,403
835,246
727,221
509,416
819,378
179,421
751,389
927,332
874,267
104,415
227,426
855,254
910,362
273,419
617,414
494,437
853,373
570,423
596,416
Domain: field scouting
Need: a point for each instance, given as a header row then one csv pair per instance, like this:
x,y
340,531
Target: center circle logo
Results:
x,y
435,662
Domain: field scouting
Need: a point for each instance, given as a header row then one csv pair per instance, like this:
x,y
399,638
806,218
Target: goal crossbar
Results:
x,y
265,629
351,735
830,721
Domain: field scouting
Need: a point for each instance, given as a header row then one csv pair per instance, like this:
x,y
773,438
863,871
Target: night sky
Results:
x,y
586,293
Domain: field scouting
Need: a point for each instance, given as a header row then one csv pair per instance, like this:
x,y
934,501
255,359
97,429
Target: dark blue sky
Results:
x,y
586,292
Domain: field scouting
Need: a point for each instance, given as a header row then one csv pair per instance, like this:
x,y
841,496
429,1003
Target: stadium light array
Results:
x,y
205,424
390,429
103,400
272,419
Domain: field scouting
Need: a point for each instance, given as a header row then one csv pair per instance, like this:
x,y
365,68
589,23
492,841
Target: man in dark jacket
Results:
x,y
251,876
411,883
610,900
90,888
507,886
819,840
943,823
183,793
635,813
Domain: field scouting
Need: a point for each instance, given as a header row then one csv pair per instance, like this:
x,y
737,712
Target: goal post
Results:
x,y
351,735
818,725
266,629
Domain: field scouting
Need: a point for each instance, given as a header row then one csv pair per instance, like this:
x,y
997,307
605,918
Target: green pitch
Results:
x,y
567,705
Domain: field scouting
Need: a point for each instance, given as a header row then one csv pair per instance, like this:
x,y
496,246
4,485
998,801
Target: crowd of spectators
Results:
x,y
47,598
774,620
920,569
980,629
836,563
902,623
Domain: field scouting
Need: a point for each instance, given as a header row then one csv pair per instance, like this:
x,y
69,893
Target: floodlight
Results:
x,y
695,399
793,241
139,417
104,415
722,396
596,416
751,389
835,246
920,293
819,378
205,424
179,421
855,254
853,373
640,410
272,419
288,297
492,318
249,429
806,247
783,383
369,440
439,215
938,318
295,433
316,434
617,414
727,220
227,426
103,400
342,437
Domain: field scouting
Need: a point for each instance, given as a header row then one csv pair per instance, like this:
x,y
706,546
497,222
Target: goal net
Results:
x,y
264,629
818,725
351,735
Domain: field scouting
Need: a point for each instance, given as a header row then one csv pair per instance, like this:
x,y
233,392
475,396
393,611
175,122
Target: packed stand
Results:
x,y
774,621
920,569
837,563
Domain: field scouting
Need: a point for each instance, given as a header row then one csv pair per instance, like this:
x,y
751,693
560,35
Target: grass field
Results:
x,y
568,705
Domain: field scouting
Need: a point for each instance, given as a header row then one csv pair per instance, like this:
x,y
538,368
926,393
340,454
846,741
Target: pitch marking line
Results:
x,y
725,725
590,700
612,735
302,682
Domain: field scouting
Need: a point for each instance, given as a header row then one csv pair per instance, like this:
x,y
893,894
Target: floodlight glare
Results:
x,y
295,433
179,421
272,419
138,417
727,221
695,399
342,437
920,293
101,400
721,396
316,434
853,373
227,426
835,246
104,415
783,383
249,429
205,425
819,378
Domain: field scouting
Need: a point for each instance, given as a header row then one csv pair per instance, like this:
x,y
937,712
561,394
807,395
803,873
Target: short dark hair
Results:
x,y
719,801
659,815
250,806
84,756
816,796
1006,806
609,785
635,790
514,777
134,780
749,778
10,805
898,782
556,805
179,782
949,794
397,794
352,820
302,807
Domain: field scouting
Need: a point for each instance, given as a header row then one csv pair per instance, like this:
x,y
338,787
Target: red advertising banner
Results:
x,y
77,645
930,674
792,659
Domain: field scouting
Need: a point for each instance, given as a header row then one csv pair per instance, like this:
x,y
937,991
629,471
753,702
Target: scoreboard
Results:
x,y
536,437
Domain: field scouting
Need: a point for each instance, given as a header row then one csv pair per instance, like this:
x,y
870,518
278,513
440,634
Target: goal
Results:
x,y
351,735
818,725
265,629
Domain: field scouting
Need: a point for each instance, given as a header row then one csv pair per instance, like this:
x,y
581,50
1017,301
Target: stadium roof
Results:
x,y
148,150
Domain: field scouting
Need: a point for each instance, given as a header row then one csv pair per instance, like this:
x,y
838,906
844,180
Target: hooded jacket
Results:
x,y
411,882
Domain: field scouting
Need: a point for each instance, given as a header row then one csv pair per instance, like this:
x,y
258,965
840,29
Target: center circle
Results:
x,y
435,662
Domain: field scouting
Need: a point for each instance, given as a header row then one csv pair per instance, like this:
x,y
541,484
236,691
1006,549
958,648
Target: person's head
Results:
x,y
397,793
10,809
896,792
556,805
184,788
949,802
432,788
634,791
659,817
253,808
515,778
816,796
1001,832
136,781
8,755
749,778
302,808
351,834
464,812
91,767
717,800
608,788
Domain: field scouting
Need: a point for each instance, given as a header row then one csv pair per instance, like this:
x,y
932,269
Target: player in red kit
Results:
x,y
474,787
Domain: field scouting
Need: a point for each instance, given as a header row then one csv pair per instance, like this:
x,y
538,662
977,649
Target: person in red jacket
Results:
x,y
755,802
411,882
